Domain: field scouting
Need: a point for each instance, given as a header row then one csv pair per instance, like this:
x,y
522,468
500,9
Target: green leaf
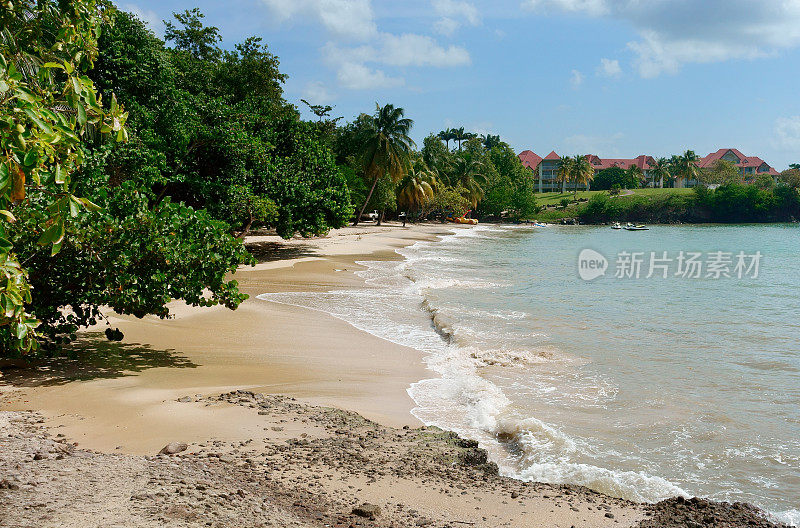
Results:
x,y
5,179
36,119
22,331
55,249
88,204
53,65
53,234
5,245
81,115
76,85
8,215
30,158
26,95
59,175
74,206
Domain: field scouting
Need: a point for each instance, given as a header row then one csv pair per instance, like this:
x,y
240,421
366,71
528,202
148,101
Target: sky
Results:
x,y
616,78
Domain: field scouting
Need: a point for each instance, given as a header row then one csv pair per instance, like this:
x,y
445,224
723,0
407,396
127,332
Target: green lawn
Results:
x,y
553,198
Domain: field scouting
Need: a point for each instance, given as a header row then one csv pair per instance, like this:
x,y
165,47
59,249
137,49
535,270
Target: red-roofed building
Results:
x,y
547,167
530,159
749,166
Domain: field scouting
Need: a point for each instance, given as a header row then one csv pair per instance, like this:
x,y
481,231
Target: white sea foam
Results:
x,y
404,304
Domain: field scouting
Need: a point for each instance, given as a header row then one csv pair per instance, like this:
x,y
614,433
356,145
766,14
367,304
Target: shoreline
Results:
x,y
262,346
200,378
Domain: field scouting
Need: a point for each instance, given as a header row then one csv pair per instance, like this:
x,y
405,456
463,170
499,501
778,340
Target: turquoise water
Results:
x,y
641,388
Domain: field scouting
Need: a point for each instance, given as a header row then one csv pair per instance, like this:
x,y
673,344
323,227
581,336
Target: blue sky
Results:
x,y
615,78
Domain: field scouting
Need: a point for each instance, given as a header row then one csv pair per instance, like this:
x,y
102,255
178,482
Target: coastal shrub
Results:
x,y
607,178
48,109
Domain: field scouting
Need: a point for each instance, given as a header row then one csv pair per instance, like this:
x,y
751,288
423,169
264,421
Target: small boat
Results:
x,y
640,227
616,225
540,225
462,220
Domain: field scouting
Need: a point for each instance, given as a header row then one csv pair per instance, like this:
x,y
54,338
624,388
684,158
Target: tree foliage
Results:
x,y
48,108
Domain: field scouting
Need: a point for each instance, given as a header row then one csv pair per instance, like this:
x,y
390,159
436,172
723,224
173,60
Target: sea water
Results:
x,y
639,387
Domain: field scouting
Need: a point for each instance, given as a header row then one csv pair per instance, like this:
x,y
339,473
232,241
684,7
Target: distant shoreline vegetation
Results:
x,y
729,203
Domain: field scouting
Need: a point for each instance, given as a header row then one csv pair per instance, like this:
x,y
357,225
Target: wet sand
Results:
x,y
124,395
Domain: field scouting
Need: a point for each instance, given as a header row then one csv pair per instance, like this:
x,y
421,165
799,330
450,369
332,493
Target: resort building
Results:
x,y
546,168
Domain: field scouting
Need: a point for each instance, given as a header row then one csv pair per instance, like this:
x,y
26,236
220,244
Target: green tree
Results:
x,y
446,136
467,174
765,182
48,108
449,202
386,147
565,171
582,172
791,178
436,155
416,188
490,141
611,176
635,176
460,135
685,166
660,170
720,173
192,36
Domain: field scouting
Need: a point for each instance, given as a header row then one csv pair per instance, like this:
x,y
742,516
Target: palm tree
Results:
x,y
416,188
660,169
687,165
582,172
385,147
446,135
490,141
459,135
467,173
635,173
565,170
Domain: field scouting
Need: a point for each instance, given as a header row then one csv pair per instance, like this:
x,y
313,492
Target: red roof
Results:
x,y
642,161
530,159
743,161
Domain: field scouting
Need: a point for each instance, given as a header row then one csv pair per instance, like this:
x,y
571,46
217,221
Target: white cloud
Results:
x,y
453,14
576,78
677,32
343,18
149,17
609,68
357,76
317,93
391,50
590,7
358,66
787,133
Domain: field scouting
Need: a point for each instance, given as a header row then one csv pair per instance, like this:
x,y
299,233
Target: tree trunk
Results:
x,y
246,228
369,196
380,217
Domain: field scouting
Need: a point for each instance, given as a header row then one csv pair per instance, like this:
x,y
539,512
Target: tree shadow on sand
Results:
x,y
91,357
272,251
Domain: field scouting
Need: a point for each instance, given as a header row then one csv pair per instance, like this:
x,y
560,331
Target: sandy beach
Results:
x,y
290,416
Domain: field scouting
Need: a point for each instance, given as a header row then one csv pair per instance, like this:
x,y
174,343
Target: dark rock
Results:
x,y
172,448
9,484
367,510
